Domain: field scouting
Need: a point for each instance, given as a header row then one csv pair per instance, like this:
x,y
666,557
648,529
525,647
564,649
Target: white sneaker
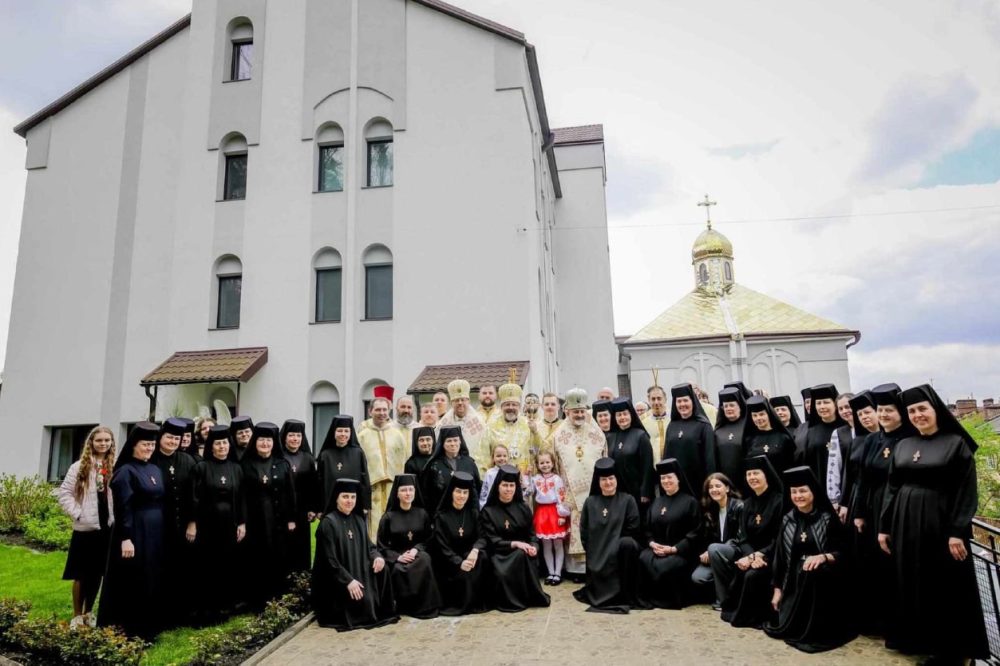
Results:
x,y
76,623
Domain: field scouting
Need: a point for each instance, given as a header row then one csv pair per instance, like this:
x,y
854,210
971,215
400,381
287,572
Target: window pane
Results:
x,y
379,163
323,413
236,177
328,294
331,168
378,292
242,59
61,454
230,289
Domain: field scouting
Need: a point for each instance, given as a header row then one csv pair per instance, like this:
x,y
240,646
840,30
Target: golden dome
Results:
x,y
710,243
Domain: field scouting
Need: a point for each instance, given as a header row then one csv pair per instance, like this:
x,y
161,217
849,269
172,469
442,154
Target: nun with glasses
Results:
x,y
460,562
305,481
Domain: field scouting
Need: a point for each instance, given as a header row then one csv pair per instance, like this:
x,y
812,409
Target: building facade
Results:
x,y
362,188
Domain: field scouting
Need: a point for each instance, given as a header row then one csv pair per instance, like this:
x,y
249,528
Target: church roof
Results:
x,y
738,312
565,136
437,377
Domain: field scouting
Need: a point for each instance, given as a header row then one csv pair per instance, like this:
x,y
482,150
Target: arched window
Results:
x,y
330,158
702,274
233,155
368,394
327,272
239,59
325,401
378,139
227,291
729,272
378,282
222,404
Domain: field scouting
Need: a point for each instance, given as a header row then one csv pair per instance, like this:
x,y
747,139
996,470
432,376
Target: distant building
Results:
x,y
989,410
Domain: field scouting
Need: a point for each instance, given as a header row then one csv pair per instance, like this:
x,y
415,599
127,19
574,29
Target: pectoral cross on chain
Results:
x,y
730,437
506,524
767,447
350,534
171,468
886,452
263,479
223,479
757,519
461,531
340,466
152,479
803,537
663,511
409,535
916,457
605,512
680,434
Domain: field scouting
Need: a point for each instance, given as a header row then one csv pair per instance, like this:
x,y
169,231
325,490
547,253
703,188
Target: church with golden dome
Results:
x,y
722,331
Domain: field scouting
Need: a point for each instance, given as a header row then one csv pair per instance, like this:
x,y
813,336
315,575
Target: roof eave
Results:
x,y
725,337
548,139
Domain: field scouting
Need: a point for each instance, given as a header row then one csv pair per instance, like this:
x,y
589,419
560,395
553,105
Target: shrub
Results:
x,y
49,641
20,498
12,611
48,526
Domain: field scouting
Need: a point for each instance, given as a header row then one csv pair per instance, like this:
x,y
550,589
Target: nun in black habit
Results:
x,y
270,517
609,526
405,536
132,595
863,408
350,586
690,437
219,513
729,436
799,435
764,435
601,411
460,565
926,526
450,455
187,439
808,572
672,537
177,469
741,568
824,422
342,458
507,525
629,447
240,432
305,480
421,448
785,411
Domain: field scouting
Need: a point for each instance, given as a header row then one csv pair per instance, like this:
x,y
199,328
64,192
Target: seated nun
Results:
x,y
404,537
350,586
460,565
508,526
609,523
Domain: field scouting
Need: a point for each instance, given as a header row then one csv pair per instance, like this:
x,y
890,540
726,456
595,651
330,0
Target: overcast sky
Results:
x,y
853,149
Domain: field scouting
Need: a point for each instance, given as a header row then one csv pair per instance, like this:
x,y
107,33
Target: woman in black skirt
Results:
x,y
86,498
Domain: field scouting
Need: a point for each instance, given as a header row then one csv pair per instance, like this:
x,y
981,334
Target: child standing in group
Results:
x,y
551,514
500,457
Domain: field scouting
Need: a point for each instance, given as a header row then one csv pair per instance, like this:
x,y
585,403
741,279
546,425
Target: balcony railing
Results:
x,y
986,557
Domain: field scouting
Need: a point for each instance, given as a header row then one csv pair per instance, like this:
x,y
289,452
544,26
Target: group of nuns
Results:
x,y
857,520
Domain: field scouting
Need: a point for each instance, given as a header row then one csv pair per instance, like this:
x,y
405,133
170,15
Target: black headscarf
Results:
x,y
505,473
741,387
785,401
624,405
731,394
825,392
946,421
443,434
859,402
602,406
188,426
403,480
418,432
682,390
347,486
603,467
340,421
264,429
759,404
803,476
460,481
241,422
216,433
891,394
671,466
144,431
763,464
294,425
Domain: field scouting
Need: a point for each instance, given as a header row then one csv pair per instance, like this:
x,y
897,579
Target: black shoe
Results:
x,y
556,580
716,605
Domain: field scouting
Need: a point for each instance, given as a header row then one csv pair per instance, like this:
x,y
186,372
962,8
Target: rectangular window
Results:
x,y
230,289
66,445
378,292
236,178
331,168
328,294
380,163
323,413
242,61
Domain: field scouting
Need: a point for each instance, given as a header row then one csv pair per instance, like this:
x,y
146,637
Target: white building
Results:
x,y
722,332
340,192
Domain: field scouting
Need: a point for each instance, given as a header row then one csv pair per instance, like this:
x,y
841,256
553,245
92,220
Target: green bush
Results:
x,y
12,611
48,526
20,498
49,641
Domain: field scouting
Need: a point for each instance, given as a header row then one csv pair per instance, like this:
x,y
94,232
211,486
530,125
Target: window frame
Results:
x,y
340,295
369,143
228,170
234,67
319,167
368,316
318,437
218,307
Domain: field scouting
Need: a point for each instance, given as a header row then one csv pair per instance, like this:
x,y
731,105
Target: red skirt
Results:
x,y
547,522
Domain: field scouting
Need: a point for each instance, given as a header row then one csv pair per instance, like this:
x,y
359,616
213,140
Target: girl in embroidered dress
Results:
x,y
551,514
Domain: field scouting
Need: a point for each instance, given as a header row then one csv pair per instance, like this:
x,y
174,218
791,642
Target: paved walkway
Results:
x,y
564,634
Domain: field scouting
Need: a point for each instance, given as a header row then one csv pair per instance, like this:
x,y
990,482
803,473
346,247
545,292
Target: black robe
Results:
x,y
692,442
305,480
177,471
800,443
270,505
671,520
749,603
608,527
633,458
218,508
852,470
415,464
132,596
342,462
455,535
813,615
778,447
515,575
344,553
931,497
413,585
729,451
817,451
434,479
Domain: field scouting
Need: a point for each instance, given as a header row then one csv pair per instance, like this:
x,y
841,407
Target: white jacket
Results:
x,y
85,515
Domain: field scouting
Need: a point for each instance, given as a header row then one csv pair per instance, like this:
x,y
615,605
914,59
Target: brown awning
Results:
x,y
204,367
436,377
